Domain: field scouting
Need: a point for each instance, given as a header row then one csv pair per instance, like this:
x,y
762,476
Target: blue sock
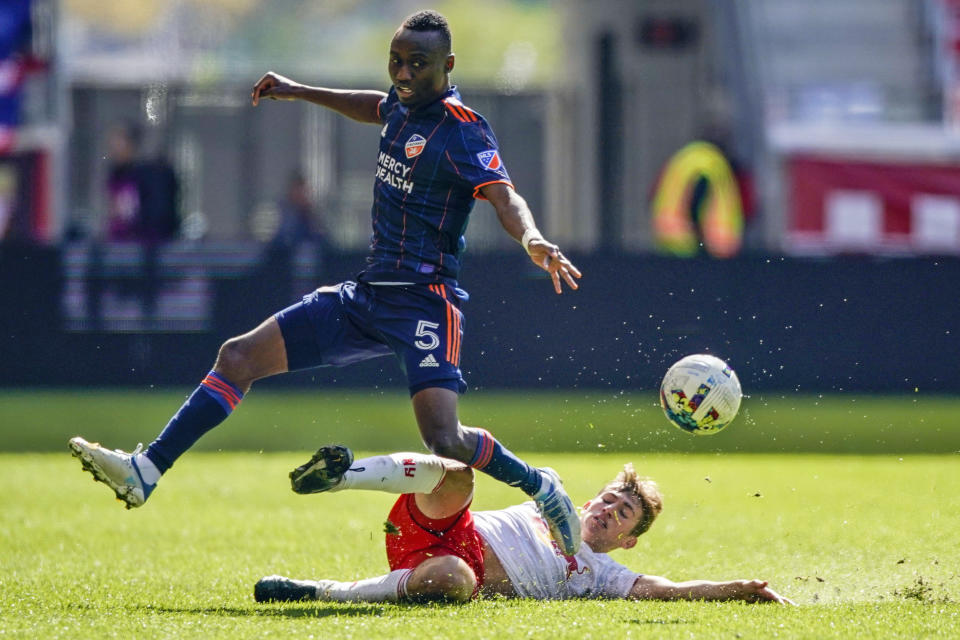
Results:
x,y
495,460
207,406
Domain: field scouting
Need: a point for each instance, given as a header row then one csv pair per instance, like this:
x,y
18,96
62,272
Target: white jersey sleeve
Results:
x,y
536,567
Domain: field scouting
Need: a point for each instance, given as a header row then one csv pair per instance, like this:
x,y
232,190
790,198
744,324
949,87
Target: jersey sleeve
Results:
x,y
474,156
386,104
614,579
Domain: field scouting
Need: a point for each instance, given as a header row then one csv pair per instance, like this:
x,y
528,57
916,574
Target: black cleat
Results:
x,y
323,471
280,589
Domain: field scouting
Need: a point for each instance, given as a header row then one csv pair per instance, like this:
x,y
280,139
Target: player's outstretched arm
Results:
x,y
517,220
658,588
356,105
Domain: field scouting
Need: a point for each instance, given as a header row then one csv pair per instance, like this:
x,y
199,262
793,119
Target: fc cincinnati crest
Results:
x,y
414,145
490,159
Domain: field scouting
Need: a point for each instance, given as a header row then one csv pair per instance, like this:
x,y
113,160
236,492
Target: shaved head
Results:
x,y
430,21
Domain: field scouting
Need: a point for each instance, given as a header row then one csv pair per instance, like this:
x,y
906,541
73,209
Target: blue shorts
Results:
x,y
350,322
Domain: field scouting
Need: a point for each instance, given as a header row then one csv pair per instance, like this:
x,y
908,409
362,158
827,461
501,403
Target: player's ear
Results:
x,y
628,542
448,67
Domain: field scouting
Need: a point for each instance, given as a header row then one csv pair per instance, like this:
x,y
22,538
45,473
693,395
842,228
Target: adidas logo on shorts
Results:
x,y
429,361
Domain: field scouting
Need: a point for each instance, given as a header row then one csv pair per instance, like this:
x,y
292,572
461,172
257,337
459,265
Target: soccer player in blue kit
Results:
x,y
436,157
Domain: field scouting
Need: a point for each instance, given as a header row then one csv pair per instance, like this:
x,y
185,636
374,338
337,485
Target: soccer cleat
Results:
x,y
558,510
323,471
116,469
280,589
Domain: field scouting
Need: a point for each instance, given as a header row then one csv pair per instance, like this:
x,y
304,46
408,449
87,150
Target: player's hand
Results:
x,y
756,591
274,86
548,257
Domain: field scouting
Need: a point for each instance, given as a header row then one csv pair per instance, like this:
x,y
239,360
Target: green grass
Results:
x,y
273,420
866,544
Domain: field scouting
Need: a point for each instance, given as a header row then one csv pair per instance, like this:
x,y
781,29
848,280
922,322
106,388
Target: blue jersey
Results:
x,y
432,163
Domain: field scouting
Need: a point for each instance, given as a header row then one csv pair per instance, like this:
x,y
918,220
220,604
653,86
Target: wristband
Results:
x,y
528,235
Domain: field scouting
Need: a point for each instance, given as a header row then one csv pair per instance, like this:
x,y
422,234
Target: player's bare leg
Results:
x,y
436,411
442,578
241,360
257,354
452,496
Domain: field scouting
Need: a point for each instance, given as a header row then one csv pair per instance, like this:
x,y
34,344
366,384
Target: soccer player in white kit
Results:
x,y
438,549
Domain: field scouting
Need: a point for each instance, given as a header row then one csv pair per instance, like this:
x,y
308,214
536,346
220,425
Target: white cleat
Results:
x,y
116,469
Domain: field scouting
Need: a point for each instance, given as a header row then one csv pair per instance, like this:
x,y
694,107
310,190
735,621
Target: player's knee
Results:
x,y
233,360
447,443
458,478
438,443
446,578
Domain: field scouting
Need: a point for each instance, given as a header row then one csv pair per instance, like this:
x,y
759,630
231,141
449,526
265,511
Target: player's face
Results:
x,y
606,520
419,66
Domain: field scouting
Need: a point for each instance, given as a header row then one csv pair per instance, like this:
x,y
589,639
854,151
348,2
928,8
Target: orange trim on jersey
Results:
x,y
467,111
456,335
452,163
459,115
472,115
449,334
459,336
479,196
454,332
460,111
403,237
438,290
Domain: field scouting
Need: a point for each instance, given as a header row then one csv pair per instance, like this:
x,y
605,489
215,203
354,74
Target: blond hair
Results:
x,y
645,490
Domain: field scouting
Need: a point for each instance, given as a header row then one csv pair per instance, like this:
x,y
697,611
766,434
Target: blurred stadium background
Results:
x,y
775,182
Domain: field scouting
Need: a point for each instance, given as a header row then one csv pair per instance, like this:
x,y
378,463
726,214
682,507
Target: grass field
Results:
x,y
274,420
865,544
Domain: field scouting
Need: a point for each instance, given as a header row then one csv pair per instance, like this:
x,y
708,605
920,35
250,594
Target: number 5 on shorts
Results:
x,y
424,331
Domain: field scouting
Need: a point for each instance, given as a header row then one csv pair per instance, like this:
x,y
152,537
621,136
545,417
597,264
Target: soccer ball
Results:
x,y
700,394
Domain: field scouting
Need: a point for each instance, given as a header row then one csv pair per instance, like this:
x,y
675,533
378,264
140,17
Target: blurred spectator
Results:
x,y
142,194
719,132
299,219
142,208
8,198
15,34
704,193
700,201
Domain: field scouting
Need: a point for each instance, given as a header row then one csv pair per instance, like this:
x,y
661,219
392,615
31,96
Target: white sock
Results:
x,y
395,473
148,470
389,588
